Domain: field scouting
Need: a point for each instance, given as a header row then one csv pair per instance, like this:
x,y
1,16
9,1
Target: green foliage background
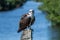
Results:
x,y
52,7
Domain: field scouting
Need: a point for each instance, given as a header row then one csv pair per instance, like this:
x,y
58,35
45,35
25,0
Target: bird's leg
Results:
x,y
29,27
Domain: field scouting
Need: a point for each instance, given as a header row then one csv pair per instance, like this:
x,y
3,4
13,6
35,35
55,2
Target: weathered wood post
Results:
x,y
26,34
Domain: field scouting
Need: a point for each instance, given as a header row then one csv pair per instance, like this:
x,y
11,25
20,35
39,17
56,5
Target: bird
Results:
x,y
26,21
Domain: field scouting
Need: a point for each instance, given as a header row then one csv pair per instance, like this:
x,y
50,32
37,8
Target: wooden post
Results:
x,y
26,34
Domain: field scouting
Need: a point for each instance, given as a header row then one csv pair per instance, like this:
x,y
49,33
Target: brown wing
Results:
x,y
24,23
23,16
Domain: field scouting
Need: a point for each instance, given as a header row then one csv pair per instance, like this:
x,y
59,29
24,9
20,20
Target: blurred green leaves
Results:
x,y
52,7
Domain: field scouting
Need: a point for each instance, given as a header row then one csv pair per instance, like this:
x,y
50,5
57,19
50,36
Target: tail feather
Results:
x,y
21,28
18,31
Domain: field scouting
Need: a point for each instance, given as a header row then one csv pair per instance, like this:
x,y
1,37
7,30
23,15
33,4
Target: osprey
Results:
x,y
26,20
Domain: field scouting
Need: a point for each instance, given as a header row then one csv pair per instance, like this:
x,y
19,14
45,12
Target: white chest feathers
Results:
x,y
30,15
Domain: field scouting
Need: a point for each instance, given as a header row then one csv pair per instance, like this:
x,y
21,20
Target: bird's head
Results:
x,y
31,11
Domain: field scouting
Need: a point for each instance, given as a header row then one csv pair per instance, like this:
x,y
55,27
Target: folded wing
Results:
x,y
24,22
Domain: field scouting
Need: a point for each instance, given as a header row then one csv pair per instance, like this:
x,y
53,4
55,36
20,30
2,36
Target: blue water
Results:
x,y
9,23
